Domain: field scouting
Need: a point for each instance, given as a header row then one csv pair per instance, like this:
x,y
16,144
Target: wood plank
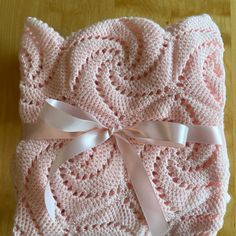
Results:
x,y
72,15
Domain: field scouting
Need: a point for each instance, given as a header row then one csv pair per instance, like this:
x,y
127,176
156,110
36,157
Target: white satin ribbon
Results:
x,y
61,120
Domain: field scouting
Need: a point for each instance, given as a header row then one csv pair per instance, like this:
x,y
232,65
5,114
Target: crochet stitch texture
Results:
x,y
122,71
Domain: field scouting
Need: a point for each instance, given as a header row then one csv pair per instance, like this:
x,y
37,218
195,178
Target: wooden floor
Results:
x,y
71,15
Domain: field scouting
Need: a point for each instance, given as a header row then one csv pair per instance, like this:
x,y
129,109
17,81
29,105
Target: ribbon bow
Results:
x,y
61,120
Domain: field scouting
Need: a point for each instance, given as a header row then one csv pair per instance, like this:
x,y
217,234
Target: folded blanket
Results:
x,y
123,71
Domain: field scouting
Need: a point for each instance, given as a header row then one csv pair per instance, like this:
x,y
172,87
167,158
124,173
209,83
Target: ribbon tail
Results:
x,y
78,145
143,188
50,202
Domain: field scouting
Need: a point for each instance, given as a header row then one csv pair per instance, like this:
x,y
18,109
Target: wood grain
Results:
x,y
72,15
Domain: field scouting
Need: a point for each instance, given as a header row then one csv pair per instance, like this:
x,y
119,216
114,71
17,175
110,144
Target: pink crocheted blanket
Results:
x,y
122,71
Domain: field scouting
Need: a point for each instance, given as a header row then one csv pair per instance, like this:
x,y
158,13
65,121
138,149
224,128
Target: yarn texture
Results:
x,y
122,71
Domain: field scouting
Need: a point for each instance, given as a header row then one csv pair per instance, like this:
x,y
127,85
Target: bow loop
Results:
x,y
159,133
67,118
